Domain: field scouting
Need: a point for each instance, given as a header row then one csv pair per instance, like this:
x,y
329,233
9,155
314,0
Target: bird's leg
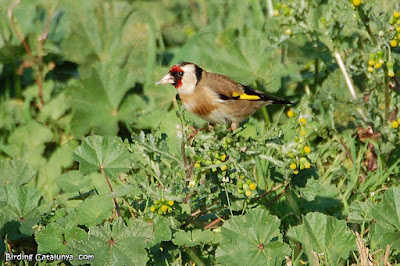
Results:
x,y
233,126
195,130
193,133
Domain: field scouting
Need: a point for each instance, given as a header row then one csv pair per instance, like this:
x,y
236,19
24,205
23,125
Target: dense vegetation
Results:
x,y
95,159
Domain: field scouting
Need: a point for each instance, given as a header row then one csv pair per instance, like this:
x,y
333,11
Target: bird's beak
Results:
x,y
167,79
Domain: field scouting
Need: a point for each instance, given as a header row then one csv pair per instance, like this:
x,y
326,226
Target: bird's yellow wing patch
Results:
x,y
244,96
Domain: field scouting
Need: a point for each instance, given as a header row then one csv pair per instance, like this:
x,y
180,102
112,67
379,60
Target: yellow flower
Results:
x,y
192,183
393,43
302,121
307,165
171,202
164,208
248,193
223,157
307,149
152,209
293,166
356,2
395,124
290,113
197,165
253,186
370,69
224,167
296,172
396,14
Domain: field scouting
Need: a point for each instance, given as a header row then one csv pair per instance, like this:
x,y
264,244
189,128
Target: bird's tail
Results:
x,y
275,100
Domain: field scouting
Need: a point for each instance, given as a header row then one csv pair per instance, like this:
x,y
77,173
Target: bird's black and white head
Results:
x,y
183,76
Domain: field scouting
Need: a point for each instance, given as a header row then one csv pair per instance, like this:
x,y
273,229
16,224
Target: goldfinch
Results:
x,y
214,97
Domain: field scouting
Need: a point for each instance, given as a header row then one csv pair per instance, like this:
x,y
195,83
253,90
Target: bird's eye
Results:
x,y
180,73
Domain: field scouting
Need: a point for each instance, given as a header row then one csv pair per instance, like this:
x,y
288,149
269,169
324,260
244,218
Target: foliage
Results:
x,y
95,159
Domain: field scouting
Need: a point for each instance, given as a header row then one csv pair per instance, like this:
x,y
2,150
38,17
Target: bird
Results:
x,y
214,97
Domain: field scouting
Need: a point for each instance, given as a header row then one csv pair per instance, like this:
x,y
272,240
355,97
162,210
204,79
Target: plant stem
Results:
x,y
227,198
109,185
162,153
194,257
386,84
316,75
365,21
349,82
270,8
271,190
215,222
266,115
292,202
38,70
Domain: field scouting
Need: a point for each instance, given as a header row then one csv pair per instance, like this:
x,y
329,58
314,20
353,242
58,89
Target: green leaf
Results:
x,y
252,239
192,238
117,244
28,141
318,197
55,238
15,172
107,153
94,210
60,159
113,32
325,235
97,99
55,108
22,207
73,181
117,48
360,212
387,217
162,230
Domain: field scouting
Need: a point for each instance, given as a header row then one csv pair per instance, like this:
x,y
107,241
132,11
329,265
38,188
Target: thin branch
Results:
x,y
316,75
346,150
109,185
198,213
270,8
34,61
189,171
387,253
47,27
277,197
165,154
349,82
365,20
386,84
215,222
192,254
16,31
272,190
316,259
183,151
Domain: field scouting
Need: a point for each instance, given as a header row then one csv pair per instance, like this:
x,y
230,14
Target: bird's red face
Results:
x,y
173,77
